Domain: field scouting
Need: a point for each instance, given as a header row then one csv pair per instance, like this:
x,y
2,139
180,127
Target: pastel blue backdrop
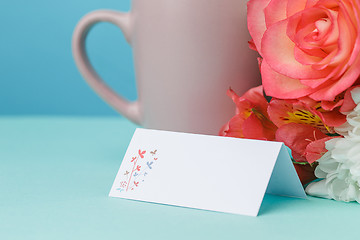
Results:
x,y
37,73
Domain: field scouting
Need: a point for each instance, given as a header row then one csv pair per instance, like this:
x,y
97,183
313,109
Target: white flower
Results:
x,y
353,117
355,95
352,122
340,166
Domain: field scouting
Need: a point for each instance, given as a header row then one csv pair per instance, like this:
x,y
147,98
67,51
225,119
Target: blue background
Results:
x,y
37,72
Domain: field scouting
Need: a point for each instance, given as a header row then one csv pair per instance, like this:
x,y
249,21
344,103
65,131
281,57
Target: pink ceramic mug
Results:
x,y
186,54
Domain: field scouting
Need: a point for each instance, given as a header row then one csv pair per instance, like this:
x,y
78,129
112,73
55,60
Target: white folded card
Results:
x,y
205,172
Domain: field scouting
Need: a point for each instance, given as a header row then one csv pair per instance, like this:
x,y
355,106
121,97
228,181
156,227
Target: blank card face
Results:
x,y
204,172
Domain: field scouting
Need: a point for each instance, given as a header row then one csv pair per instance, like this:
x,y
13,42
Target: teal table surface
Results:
x,y
56,173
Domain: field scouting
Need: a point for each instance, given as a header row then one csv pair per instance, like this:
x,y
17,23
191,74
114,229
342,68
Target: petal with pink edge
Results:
x,y
278,51
275,12
294,7
256,20
330,92
280,86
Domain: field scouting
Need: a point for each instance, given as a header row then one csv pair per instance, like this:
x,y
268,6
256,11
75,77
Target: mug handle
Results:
x,y
131,110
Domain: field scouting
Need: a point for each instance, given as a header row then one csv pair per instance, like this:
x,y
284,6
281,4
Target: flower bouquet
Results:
x,y
310,94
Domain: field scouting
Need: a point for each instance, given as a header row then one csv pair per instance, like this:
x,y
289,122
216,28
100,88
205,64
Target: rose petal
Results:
x,y
305,58
329,92
301,27
278,51
314,83
295,6
324,63
275,12
280,86
345,40
256,20
311,3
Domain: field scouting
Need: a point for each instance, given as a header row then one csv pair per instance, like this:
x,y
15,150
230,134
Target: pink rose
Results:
x,y
309,47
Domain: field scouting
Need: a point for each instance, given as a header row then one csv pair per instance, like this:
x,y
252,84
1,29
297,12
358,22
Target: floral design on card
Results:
x,y
141,165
